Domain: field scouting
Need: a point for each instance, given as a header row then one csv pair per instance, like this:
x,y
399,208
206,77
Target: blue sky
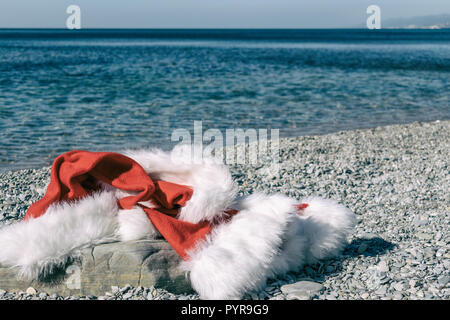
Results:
x,y
210,13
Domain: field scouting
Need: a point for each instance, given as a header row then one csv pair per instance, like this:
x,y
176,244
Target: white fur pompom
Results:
x,y
327,224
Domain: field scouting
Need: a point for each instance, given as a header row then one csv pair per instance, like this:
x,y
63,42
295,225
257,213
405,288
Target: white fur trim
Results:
x,y
37,246
236,257
134,224
265,239
214,188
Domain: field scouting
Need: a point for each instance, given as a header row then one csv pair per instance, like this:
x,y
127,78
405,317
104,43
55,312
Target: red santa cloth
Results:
x,y
77,173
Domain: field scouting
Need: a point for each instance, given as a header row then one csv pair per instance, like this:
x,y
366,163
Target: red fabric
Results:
x,y
76,174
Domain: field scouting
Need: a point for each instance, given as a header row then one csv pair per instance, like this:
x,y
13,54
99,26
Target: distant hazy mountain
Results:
x,y
423,22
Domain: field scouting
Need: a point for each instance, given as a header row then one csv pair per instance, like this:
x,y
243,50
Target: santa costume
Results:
x,y
229,245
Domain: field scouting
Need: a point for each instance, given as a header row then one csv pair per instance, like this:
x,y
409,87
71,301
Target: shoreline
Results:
x,y
395,178
282,137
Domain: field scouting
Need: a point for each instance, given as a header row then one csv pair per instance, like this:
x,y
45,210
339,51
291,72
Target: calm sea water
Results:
x,y
112,89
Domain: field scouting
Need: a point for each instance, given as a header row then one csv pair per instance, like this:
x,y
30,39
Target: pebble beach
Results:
x,y
395,178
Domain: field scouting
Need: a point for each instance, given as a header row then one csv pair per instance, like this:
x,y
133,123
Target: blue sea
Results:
x,y
114,89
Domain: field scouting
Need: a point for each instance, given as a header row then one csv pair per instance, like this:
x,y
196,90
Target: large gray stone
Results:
x,y
138,263
302,290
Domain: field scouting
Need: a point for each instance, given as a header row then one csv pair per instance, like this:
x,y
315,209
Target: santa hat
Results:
x,y
98,197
